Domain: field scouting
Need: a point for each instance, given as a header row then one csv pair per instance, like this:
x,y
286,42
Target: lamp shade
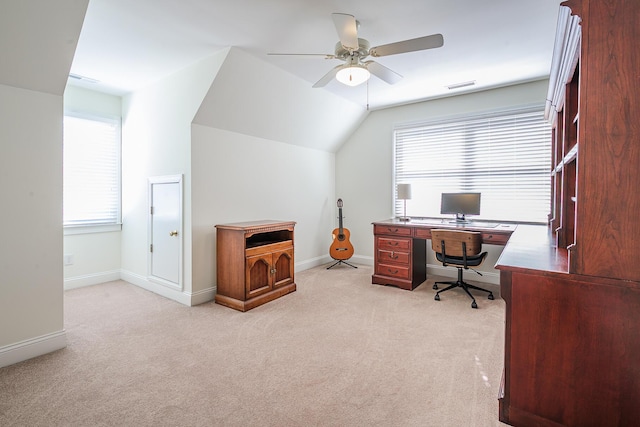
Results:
x,y
352,75
404,191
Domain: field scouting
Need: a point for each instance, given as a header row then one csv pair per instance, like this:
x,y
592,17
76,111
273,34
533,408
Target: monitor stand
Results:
x,y
460,219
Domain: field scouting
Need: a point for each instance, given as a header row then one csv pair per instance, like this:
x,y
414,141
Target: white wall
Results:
x,y
262,148
31,187
364,164
37,45
96,256
244,178
156,141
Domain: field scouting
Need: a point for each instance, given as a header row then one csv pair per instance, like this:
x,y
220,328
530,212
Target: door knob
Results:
x,y
173,233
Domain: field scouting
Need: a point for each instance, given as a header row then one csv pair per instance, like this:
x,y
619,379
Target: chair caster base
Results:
x,y
437,297
474,305
490,296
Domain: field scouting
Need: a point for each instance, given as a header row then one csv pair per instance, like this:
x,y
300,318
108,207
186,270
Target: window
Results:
x,y
506,157
91,170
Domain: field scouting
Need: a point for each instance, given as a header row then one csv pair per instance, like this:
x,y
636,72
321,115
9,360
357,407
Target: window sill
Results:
x,y
87,229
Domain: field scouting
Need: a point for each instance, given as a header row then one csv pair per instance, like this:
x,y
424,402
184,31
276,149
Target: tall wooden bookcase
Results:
x,y
594,103
572,291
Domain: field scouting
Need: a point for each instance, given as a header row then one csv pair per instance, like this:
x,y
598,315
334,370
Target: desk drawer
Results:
x,y
393,257
397,271
394,244
422,233
392,230
495,238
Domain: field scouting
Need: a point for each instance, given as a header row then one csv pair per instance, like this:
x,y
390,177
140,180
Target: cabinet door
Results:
x,y
284,268
258,275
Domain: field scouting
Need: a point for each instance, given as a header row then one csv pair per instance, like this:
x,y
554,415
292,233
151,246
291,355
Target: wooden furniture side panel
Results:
x,y
609,176
571,351
230,262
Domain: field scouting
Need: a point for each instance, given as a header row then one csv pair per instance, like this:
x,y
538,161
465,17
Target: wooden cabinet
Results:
x,y
400,260
255,263
572,291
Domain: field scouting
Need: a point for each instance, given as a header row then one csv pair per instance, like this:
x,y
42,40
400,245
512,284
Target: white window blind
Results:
x,y
91,170
506,157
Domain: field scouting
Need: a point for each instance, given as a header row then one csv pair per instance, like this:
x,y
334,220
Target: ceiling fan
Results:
x,y
353,50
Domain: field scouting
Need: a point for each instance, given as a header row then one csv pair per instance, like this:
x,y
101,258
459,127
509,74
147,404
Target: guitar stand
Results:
x,y
341,262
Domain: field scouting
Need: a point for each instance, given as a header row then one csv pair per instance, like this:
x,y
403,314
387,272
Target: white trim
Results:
x,y
143,282
91,279
31,348
326,259
167,179
70,230
202,296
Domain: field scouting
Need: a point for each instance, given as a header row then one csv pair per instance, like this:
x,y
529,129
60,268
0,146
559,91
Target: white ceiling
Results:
x,y
126,44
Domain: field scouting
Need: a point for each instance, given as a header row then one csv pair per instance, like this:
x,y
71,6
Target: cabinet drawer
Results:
x,y
394,244
392,230
393,257
398,271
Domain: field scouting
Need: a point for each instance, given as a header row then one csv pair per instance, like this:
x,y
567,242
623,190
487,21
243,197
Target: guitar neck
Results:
x,y
340,219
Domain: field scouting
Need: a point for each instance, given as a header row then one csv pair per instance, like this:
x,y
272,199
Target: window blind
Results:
x,y
91,170
506,157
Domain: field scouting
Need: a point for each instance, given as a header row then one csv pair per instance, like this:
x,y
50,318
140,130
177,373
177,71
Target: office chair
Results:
x,y
461,249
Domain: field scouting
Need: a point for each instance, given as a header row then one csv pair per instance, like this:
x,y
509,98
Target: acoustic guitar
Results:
x,y
341,248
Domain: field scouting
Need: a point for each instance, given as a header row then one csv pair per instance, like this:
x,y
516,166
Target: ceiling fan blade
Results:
x,y
328,77
382,72
412,45
347,29
324,55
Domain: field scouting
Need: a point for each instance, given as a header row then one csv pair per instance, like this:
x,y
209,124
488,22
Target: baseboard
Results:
x,y
91,279
31,348
487,276
326,259
312,262
156,288
203,296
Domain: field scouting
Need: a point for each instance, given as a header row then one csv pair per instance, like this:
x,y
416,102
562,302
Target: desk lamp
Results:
x,y
404,194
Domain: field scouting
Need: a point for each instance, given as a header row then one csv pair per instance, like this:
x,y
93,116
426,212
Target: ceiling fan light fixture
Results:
x,y
353,75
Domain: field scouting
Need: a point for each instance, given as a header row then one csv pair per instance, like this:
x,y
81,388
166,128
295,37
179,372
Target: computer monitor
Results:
x,y
460,204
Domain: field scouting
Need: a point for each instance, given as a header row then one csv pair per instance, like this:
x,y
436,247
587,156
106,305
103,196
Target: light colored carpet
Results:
x,y
337,352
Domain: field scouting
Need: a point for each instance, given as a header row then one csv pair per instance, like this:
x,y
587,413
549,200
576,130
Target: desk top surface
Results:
x,y
486,226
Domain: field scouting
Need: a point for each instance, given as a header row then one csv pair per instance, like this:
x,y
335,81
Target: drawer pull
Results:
x,y
392,272
395,230
393,255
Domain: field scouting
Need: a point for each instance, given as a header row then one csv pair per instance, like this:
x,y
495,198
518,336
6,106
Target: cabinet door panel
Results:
x,y
283,262
257,275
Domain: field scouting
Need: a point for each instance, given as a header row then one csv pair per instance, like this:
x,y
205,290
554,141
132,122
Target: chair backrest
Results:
x,y
453,242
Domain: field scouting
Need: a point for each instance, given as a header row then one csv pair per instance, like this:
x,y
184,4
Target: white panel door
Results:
x,y
165,194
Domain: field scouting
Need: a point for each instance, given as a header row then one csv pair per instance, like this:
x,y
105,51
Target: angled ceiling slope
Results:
x,y
252,97
38,40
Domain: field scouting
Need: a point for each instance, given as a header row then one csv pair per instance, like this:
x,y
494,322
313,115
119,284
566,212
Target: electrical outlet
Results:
x,y
68,259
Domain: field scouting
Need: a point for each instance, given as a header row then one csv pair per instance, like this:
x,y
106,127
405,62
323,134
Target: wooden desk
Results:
x,y
400,257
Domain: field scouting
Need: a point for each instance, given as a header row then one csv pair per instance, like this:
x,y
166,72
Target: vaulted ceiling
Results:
x,y
125,45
